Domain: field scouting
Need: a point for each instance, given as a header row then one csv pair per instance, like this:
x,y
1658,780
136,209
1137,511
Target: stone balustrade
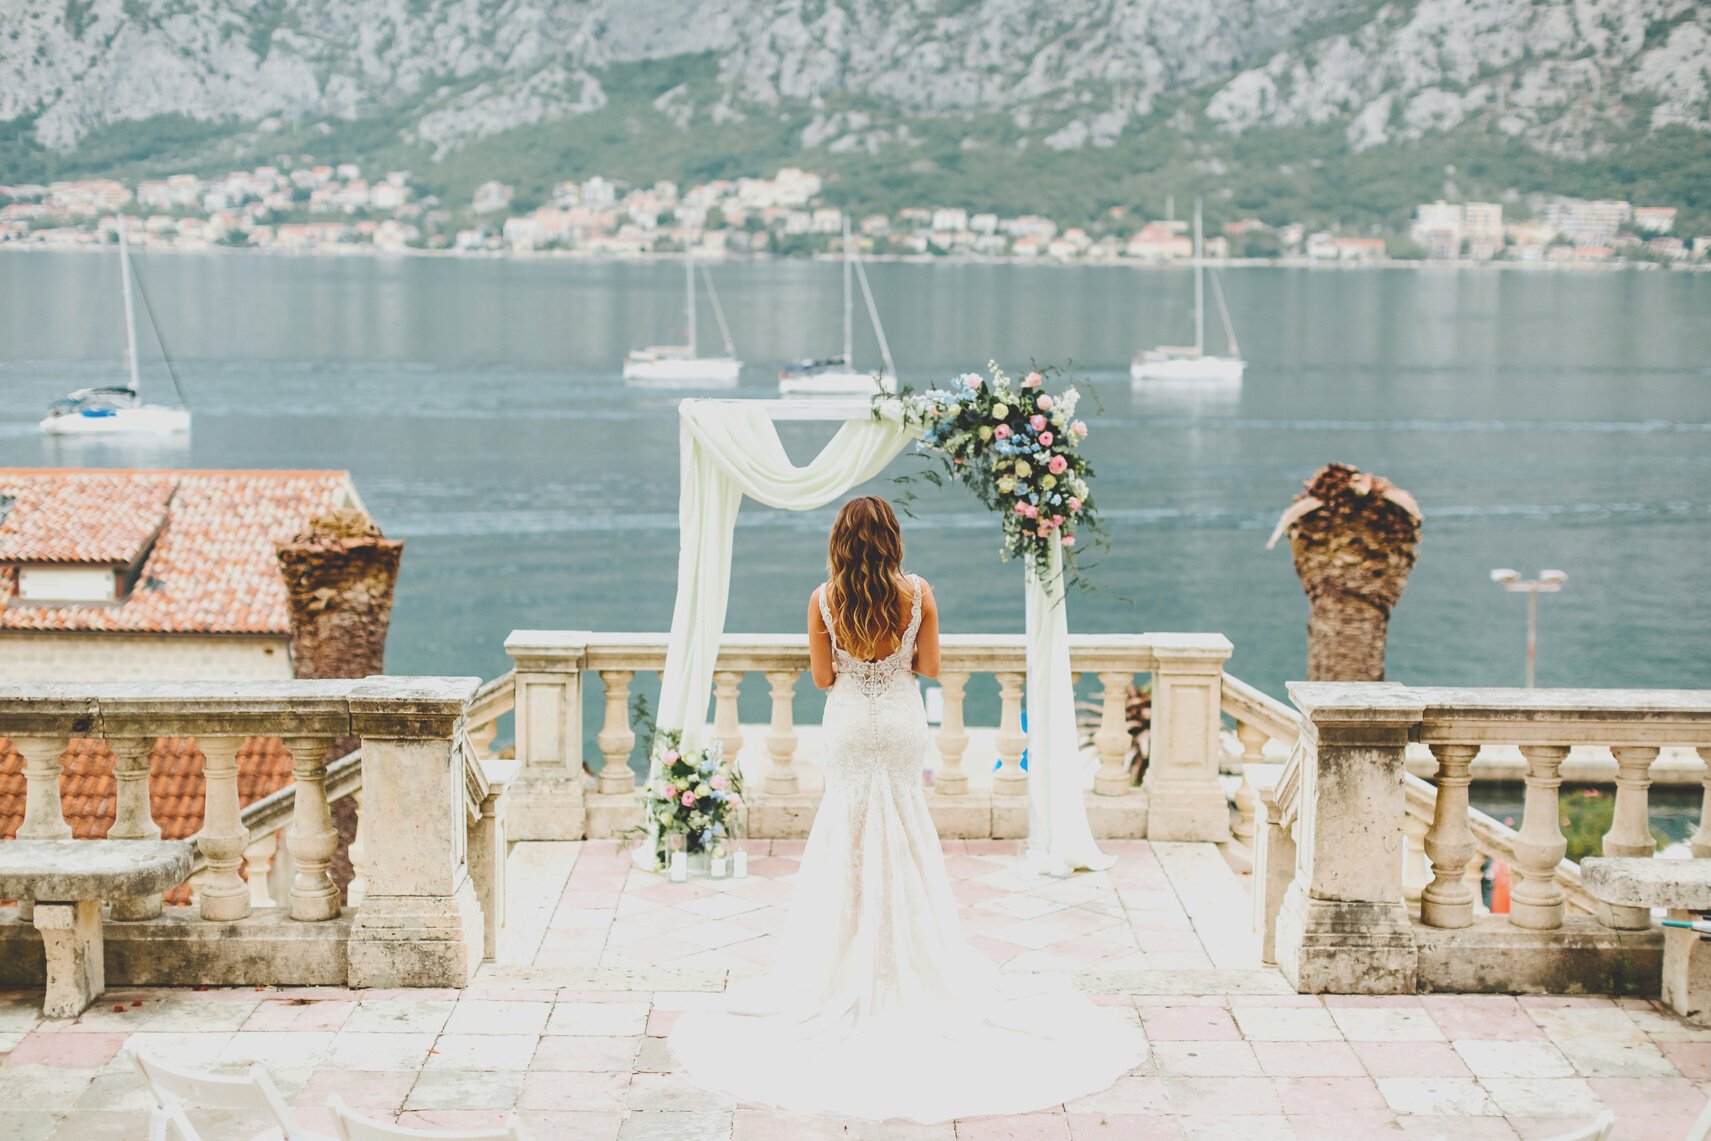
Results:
x,y
1180,799
433,817
1339,814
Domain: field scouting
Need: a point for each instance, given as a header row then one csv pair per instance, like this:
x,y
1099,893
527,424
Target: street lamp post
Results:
x,y
1549,581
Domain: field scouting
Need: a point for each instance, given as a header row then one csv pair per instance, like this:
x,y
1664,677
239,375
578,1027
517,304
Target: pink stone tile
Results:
x,y
1380,1001
1330,1095
571,994
1545,1128
1558,1001
1345,1126
1147,1000
994,847
1431,1128
1649,1097
1410,1059
967,867
1090,948
1308,1060
1222,1095
585,1053
789,847
448,1119
1464,1020
671,892
544,1089
995,949
64,1051
660,1022
763,890
1123,1127
582,1126
1296,1000
1052,1126
771,867
362,1090
1190,1023
299,1014
1693,1059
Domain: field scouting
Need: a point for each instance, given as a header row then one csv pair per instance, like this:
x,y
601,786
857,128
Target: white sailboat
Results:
x,y
681,366
1185,365
117,408
837,376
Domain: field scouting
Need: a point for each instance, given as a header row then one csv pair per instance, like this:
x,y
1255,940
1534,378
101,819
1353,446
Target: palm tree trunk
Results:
x,y
1346,639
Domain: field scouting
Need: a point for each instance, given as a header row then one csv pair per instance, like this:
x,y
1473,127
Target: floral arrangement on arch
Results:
x,y
1013,444
695,794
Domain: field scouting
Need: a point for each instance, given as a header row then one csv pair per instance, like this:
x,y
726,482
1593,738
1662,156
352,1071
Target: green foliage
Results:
x,y
1586,817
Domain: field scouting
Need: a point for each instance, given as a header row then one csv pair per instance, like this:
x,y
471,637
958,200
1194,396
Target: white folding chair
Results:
x,y
173,1088
1598,1130
353,1128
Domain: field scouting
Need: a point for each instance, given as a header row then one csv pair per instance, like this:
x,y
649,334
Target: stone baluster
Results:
x,y
616,739
952,737
224,895
420,924
1010,779
482,736
312,839
1253,740
1414,870
260,863
1246,824
1630,828
1112,739
727,687
44,818
1535,900
1702,835
781,779
133,813
1447,900
1185,800
358,852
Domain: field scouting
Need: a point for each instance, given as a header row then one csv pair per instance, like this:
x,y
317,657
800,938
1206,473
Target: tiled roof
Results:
x,y
51,521
87,794
213,569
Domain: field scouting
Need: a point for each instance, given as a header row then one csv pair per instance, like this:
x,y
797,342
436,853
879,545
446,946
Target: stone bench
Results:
x,y
1682,886
67,880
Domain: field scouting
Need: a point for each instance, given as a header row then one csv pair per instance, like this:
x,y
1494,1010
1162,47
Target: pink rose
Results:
x,y
1038,422
1069,540
1046,439
1044,403
1074,505
688,798
671,792
717,782
1057,520
1022,510
1043,531
1033,380
1057,465
1032,512
733,801
1002,431
1079,427
670,757
971,379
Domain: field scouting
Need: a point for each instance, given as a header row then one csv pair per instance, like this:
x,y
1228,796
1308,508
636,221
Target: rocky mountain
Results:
x,y
1564,77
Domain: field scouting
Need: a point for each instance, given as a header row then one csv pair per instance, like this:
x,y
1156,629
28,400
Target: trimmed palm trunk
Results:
x,y
1355,538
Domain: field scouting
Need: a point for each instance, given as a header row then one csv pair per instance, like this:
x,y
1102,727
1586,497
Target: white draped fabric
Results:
x,y
731,449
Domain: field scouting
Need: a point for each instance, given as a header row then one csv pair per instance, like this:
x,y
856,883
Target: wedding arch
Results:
x,y
731,449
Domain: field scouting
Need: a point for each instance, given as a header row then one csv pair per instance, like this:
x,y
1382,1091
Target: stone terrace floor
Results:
x,y
569,1026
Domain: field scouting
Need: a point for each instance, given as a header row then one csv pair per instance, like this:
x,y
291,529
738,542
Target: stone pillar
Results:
x,y
781,778
133,815
44,817
547,800
1185,801
223,894
616,739
420,924
1112,738
1448,900
952,738
1342,927
727,687
1010,779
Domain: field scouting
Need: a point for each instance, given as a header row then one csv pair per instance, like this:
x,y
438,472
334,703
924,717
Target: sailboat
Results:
x,y
837,376
117,408
681,366
1190,364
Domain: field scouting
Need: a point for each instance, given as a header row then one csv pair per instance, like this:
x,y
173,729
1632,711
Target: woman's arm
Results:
x,y
927,639
819,645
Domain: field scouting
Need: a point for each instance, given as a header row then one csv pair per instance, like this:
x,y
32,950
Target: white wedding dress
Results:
x,y
876,1007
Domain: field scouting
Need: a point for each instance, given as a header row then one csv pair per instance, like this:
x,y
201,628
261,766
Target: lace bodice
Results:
x,y
872,678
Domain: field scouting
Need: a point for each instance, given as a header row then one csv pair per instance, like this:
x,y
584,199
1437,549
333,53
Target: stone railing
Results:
x,y
1330,880
1181,798
432,830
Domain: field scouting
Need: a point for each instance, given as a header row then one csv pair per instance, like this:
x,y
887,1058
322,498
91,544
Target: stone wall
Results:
x,y
89,657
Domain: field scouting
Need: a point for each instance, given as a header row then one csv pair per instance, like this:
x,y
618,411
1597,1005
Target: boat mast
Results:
x,y
689,277
130,312
849,327
1199,287
718,312
1224,312
873,315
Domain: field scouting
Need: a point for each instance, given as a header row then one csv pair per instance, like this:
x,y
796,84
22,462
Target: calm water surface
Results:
x,y
1542,420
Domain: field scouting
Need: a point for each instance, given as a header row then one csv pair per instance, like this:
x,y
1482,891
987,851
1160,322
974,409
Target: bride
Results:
x,y
876,1007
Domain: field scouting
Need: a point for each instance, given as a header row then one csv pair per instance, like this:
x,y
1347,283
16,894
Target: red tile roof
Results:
x,y
51,521
88,798
212,570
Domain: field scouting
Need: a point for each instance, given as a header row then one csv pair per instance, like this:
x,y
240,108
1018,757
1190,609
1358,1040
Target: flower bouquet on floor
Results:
x,y
693,800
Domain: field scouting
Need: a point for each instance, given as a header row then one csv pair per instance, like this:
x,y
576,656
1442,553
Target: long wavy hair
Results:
x,y
866,587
